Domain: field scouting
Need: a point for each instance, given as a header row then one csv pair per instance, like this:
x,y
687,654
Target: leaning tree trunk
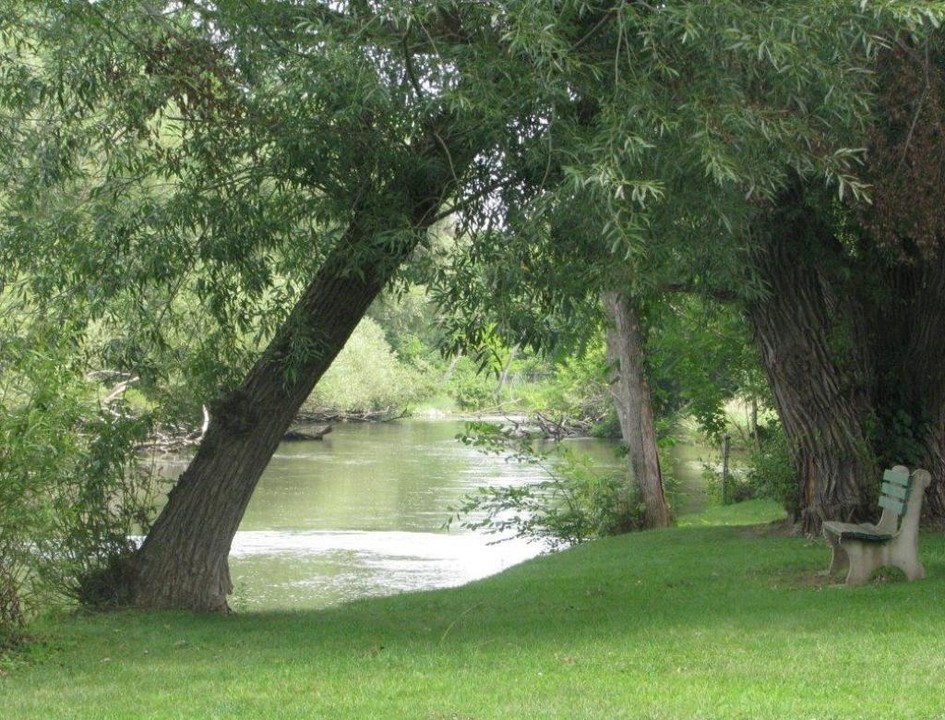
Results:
x,y
815,354
183,562
631,393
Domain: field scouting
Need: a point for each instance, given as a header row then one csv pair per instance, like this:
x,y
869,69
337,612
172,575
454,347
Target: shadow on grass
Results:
x,y
681,623
634,587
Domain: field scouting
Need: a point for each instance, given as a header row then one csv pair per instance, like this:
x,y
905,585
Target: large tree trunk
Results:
x,y
852,345
906,225
631,393
915,386
815,354
183,561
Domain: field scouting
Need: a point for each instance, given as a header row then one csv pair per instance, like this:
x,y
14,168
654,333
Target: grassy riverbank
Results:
x,y
693,622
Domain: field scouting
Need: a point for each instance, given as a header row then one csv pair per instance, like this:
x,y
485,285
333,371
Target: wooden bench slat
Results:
x,y
896,491
897,477
897,506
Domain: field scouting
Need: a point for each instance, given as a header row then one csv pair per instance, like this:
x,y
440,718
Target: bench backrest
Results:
x,y
894,498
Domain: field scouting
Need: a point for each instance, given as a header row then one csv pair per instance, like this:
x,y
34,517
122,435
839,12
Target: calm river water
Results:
x,y
361,513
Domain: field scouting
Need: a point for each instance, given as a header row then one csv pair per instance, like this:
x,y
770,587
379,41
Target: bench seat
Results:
x,y
858,531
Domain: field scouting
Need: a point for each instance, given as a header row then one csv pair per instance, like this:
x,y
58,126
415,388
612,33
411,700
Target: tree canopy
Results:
x,y
221,189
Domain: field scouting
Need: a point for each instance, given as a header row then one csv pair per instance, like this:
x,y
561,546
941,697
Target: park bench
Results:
x,y
894,540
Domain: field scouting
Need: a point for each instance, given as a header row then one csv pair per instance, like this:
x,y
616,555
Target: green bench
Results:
x,y
894,540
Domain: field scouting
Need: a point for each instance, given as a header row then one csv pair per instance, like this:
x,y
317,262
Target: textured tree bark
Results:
x,y
917,384
815,352
183,561
631,393
905,222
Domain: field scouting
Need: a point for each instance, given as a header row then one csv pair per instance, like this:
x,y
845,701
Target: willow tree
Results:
x,y
251,174
850,329
657,175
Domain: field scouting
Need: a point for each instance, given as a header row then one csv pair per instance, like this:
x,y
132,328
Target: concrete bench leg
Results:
x,y
864,559
904,554
839,560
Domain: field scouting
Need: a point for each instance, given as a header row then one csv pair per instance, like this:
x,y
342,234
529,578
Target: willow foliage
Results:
x,y
174,172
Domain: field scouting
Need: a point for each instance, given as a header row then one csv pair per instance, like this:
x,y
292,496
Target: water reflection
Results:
x,y
393,476
361,513
320,568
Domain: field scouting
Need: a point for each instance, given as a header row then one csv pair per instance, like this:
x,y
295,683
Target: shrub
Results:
x,y
71,492
771,474
368,376
575,504
737,489
470,388
579,387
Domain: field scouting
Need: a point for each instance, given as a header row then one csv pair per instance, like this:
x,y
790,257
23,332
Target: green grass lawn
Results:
x,y
692,622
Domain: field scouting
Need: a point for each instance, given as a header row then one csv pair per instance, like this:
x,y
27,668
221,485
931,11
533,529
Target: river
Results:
x,y
361,513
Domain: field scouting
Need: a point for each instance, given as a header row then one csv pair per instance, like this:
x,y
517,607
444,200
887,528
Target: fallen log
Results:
x,y
297,435
351,416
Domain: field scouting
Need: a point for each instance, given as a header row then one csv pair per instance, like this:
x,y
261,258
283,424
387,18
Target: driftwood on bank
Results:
x,y
175,438
293,435
562,427
333,416
314,425
539,424
307,426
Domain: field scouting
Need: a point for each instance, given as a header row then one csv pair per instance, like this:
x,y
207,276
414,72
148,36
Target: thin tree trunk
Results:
x,y
504,375
631,393
183,561
753,422
816,358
